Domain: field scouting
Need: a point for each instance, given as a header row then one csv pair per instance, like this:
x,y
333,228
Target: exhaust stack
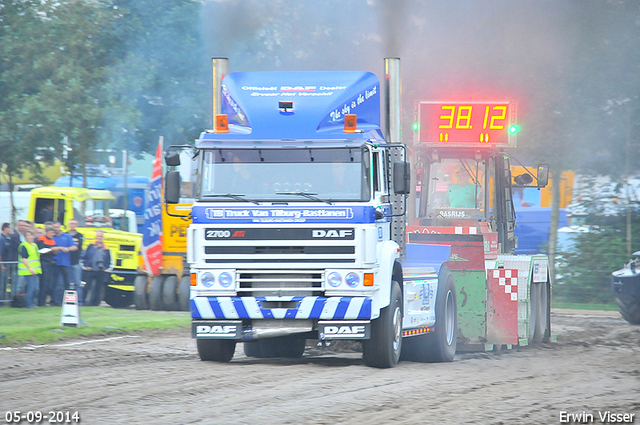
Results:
x,y
220,69
393,100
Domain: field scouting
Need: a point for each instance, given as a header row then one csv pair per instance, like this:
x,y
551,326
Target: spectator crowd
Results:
x,y
43,263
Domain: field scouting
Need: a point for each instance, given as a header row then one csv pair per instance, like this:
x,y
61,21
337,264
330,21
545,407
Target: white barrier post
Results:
x,y
70,311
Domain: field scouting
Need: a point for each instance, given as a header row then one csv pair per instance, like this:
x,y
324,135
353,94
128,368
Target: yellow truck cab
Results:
x,y
90,207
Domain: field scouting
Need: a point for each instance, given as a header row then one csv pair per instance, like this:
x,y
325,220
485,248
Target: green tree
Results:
x,y
156,84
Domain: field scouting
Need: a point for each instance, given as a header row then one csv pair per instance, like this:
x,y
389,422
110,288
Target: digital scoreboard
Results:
x,y
470,124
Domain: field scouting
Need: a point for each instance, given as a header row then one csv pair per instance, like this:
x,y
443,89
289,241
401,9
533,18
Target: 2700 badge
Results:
x,y
216,234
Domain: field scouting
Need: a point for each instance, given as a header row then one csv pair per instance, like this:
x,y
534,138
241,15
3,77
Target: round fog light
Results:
x,y
334,279
225,279
207,279
352,279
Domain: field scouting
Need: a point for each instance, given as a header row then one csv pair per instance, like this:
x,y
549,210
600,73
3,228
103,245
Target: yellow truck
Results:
x,y
90,207
170,290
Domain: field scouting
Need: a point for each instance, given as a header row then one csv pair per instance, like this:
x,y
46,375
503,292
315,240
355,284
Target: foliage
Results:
x,y
78,75
584,270
155,83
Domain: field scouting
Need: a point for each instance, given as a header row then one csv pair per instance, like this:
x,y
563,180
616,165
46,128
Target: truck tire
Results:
x,y
169,295
117,298
295,347
184,293
155,293
384,347
140,297
251,348
439,346
629,307
217,350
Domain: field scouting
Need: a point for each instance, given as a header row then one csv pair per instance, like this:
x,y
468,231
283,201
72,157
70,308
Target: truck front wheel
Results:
x,y
383,349
216,350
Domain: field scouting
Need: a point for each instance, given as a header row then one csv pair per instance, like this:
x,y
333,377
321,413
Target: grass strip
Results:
x,y
42,325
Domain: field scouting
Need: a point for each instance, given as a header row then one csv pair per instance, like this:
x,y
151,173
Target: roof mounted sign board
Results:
x,y
298,105
467,124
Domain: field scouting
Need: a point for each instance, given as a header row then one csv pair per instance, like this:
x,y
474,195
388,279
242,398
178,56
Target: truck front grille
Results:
x,y
263,283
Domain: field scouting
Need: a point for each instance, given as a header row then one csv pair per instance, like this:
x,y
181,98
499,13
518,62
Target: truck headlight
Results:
x,y
334,279
225,279
352,280
207,279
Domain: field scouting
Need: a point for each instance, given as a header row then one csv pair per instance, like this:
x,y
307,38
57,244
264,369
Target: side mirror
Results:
x,y
523,179
401,178
172,187
172,158
543,175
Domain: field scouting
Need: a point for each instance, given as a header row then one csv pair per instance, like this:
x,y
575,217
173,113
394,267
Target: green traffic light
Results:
x,y
415,126
513,129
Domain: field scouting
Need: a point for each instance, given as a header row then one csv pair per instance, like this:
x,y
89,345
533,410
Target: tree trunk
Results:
x,y
13,207
555,219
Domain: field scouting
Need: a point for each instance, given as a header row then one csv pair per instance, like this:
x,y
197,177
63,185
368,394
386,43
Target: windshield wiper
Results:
x,y
236,196
306,195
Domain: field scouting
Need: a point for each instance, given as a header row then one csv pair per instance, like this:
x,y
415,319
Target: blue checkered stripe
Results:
x,y
331,308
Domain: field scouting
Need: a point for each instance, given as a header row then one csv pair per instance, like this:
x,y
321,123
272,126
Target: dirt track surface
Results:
x,y
157,377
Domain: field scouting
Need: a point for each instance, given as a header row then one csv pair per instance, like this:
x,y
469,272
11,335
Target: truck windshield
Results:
x,y
92,213
456,188
286,175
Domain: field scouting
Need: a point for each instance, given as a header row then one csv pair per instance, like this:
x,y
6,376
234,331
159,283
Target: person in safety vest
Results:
x,y
29,267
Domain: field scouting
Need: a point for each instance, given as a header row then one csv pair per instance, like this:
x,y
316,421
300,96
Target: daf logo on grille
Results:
x,y
342,233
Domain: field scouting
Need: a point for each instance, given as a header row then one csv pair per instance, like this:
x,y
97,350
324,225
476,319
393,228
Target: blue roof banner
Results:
x,y
320,101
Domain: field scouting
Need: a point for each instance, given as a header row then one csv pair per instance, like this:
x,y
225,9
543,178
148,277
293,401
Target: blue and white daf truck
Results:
x,y
298,231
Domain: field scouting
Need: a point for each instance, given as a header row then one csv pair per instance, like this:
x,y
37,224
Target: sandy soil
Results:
x,y
157,377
